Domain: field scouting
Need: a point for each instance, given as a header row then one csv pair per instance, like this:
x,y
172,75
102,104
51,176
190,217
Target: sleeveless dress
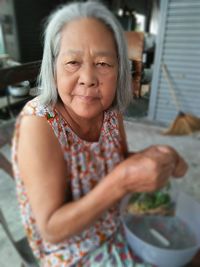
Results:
x,y
103,243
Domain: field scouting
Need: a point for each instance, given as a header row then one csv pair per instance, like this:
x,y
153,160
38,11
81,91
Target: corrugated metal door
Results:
x,y
178,46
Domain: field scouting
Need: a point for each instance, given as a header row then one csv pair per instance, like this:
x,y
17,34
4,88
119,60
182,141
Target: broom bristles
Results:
x,y
184,124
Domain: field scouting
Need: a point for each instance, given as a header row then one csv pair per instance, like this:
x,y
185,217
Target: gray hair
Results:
x,y
56,21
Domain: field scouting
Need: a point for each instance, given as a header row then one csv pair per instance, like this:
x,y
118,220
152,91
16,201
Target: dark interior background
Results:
x,y
30,16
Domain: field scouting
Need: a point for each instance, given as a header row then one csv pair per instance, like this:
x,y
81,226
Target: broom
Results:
x,y
184,123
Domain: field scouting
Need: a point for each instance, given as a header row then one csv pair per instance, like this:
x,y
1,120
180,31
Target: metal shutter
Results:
x,y
178,46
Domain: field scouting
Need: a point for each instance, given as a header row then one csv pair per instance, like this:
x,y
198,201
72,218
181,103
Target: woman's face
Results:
x,y
87,68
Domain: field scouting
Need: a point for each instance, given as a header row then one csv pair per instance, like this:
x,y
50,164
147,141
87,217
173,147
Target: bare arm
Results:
x,y
44,173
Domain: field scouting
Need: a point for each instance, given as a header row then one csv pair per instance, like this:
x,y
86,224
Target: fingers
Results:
x,y
180,168
162,156
152,172
164,177
180,165
150,169
172,157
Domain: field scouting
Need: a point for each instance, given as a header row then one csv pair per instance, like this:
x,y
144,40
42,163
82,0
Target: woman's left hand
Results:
x,y
180,165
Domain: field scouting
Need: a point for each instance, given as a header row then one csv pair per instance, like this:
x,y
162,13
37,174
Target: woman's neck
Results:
x,y
86,129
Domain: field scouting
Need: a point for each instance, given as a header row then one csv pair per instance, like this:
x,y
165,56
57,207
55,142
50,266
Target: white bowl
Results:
x,y
20,89
160,255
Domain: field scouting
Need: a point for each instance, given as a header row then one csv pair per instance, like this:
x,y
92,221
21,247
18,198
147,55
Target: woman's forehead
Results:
x,y
80,28
89,21
88,32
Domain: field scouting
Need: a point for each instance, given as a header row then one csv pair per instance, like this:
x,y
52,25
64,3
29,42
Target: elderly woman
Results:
x,y
70,157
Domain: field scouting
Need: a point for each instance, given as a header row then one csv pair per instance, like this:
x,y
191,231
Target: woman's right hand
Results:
x,y
150,169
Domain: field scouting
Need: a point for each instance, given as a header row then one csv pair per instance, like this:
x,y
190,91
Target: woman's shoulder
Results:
x,y
34,114
36,108
32,118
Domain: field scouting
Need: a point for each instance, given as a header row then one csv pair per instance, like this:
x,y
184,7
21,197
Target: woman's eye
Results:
x,y
103,64
104,67
72,65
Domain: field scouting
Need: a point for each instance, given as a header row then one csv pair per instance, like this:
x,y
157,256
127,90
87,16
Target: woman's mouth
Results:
x,y
88,98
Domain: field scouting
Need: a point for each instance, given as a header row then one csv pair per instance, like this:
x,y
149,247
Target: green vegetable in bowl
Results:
x,y
158,202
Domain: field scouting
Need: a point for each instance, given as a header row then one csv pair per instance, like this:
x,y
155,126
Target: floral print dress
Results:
x,y
103,243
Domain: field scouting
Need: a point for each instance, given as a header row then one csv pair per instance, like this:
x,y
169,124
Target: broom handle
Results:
x,y
171,87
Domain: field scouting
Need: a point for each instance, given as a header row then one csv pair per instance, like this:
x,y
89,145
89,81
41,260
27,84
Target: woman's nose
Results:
x,y
87,76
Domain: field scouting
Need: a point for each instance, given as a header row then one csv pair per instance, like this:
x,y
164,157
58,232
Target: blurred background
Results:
x,y
163,42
